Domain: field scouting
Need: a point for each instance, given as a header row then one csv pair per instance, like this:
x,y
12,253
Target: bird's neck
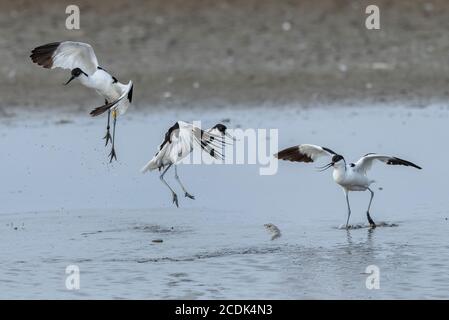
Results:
x,y
86,80
339,171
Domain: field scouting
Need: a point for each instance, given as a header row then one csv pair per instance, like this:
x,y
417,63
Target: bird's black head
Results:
x,y
75,74
336,158
220,127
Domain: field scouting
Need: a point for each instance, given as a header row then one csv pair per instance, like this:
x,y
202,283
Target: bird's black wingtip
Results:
x,y
130,94
396,161
43,55
293,154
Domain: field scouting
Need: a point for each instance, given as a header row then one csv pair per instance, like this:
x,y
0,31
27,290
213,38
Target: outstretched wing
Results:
x,y
365,163
210,142
66,55
182,137
304,153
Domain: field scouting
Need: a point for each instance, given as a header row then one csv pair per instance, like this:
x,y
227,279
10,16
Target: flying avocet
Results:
x,y
80,58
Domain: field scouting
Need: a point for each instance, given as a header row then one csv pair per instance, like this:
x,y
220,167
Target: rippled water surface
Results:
x,y
62,204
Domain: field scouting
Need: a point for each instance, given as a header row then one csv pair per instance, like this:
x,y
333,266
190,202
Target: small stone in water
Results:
x,y
286,26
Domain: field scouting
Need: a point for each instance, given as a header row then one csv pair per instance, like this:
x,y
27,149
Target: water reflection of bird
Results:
x,y
350,176
80,58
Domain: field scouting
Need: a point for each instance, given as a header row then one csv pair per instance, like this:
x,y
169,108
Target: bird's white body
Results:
x,y
173,151
107,87
102,82
349,178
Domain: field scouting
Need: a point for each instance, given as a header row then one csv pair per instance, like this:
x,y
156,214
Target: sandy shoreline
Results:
x,y
185,54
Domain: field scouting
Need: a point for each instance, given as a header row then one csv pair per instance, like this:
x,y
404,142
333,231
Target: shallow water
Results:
x,y
63,204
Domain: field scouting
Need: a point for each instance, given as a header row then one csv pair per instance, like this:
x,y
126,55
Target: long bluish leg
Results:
x,y
371,222
113,155
174,195
107,137
349,208
188,195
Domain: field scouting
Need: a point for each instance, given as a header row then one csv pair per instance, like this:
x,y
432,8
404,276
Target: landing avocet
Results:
x,y
351,177
179,142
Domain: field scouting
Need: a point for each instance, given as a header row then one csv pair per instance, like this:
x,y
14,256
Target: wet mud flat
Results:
x,y
63,204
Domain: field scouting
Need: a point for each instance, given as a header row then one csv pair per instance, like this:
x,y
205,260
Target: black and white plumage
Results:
x,y
80,58
351,177
178,143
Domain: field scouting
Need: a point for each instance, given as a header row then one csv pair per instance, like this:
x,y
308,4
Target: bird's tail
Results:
x,y
151,165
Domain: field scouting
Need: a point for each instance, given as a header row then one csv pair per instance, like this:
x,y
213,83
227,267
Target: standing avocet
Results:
x,y
351,177
80,58
179,142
